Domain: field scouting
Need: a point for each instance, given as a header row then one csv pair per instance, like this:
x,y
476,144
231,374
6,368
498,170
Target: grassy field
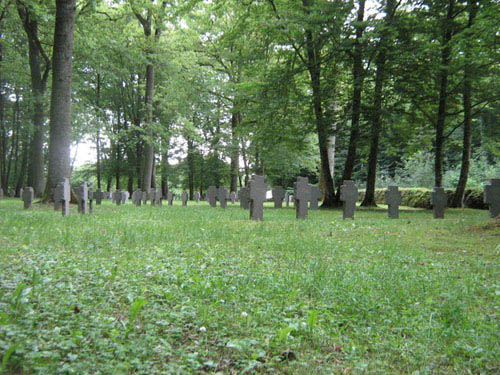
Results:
x,y
195,290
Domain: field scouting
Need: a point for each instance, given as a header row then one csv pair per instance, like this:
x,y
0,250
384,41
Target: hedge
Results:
x,y
421,198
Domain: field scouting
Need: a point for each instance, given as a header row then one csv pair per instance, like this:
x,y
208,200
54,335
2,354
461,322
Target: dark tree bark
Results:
x,y
60,101
443,94
190,163
147,25
358,76
98,139
376,112
38,87
245,163
24,164
164,174
458,197
314,68
235,152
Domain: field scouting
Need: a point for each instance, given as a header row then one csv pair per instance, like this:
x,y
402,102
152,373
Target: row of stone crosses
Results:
x,y
305,196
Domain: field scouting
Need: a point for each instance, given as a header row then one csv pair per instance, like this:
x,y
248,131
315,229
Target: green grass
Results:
x,y
180,290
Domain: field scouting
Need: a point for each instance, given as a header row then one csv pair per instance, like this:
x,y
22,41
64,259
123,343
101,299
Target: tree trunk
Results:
x,y
98,139
358,76
375,132
458,197
148,149
190,163
24,164
314,67
164,174
245,163
60,101
38,87
235,152
443,94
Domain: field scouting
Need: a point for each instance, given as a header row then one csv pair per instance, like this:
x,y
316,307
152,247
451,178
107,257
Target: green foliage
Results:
x,y
191,290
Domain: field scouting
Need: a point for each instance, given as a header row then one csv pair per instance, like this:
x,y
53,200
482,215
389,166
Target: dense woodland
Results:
x,y
188,94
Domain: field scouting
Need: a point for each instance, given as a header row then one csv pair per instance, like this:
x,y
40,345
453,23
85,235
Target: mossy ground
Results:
x,y
180,290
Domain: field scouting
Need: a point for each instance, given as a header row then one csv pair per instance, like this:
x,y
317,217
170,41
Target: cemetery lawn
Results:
x,y
195,290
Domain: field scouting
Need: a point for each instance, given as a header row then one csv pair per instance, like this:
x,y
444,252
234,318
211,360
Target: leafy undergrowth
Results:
x,y
183,290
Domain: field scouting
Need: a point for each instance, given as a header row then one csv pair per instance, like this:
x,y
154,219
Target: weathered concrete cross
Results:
x,y
212,196
439,200
82,193
301,197
393,200
28,195
278,196
222,196
492,196
349,195
257,189
315,197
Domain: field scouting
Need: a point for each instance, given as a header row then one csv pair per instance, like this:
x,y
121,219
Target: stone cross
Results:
x,y
278,196
159,197
83,195
197,196
212,196
137,197
439,200
257,194
27,197
91,197
99,196
117,197
222,196
232,197
301,195
348,195
170,198
492,196
62,196
244,198
125,195
1,193
393,200
315,197
184,198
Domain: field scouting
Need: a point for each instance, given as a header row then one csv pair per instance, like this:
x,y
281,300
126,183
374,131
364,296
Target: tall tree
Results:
x,y
146,20
60,101
39,76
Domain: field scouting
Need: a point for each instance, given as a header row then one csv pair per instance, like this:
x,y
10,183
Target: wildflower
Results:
x,y
244,314
203,329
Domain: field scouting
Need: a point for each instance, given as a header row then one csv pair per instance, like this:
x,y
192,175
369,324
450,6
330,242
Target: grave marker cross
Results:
x,y
301,195
349,195
278,196
212,196
184,198
257,189
83,195
62,194
27,197
439,200
222,196
315,197
244,198
99,196
492,196
393,200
